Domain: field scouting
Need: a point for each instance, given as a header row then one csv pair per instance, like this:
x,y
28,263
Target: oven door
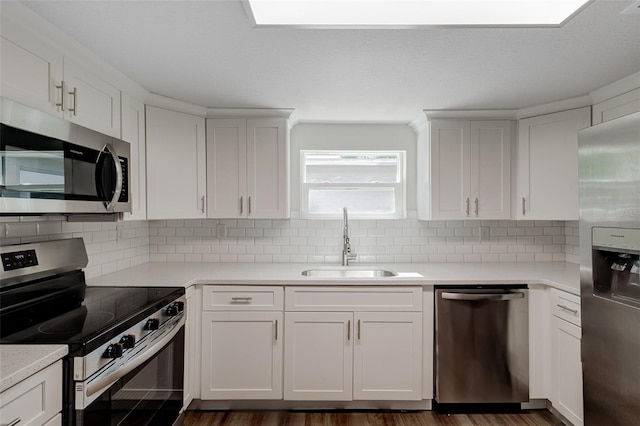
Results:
x,y
146,389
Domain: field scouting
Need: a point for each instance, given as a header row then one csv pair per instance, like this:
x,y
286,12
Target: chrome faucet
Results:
x,y
346,245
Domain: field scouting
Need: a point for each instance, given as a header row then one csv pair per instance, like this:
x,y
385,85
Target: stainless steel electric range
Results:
x,y
126,345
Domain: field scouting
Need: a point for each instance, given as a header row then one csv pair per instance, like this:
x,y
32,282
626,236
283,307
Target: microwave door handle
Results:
x,y
116,194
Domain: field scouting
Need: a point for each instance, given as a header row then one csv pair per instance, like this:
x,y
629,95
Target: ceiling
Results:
x,y
207,53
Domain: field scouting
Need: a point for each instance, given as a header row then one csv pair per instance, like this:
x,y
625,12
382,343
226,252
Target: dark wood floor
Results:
x,y
365,418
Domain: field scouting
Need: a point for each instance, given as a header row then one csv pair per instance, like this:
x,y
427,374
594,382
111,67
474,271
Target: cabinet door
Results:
x,y
176,175
267,168
91,101
133,131
548,165
30,72
34,400
227,167
490,170
318,356
567,396
387,356
450,161
241,355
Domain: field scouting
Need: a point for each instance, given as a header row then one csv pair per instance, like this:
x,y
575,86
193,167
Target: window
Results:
x,y
369,183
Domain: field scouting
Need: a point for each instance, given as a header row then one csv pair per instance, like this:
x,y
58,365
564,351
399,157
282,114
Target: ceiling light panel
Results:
x,y
411,13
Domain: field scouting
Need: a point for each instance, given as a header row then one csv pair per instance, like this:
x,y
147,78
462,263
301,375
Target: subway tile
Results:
x,y
19,230
193,257
210,257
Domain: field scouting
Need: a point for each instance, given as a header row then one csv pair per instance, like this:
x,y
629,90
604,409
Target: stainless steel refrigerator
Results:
x,y
609,194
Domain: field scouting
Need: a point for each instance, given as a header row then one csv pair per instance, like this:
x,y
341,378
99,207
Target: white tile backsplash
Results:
x,y
320,241
110,246
115,246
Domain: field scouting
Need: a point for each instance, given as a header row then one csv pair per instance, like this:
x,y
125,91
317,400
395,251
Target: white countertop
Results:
x,y
17,362
561,275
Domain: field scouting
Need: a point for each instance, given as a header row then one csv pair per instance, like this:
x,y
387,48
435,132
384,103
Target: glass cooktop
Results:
x,y
83,318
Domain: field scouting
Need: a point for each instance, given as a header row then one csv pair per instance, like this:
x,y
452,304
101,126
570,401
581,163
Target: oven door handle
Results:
x,y
104,383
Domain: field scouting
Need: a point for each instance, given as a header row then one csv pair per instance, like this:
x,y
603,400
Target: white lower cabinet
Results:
x,y
241,349
318,356
387,361
35,401
566,394
351,348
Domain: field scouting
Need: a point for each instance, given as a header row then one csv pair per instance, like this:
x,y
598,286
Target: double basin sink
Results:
x,y
349,273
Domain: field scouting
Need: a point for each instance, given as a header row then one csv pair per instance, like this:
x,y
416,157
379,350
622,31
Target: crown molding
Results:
x,y
249,112
153,99
563,105
616,88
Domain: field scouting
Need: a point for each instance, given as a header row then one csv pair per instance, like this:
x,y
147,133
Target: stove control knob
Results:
x,y
128,341
179,305
113,351
172,310
152,324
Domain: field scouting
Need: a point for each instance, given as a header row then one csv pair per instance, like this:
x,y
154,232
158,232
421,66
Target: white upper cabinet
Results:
x,y
133,131
30,73
547,165
176,175
37,74
89,100
247,165
464,170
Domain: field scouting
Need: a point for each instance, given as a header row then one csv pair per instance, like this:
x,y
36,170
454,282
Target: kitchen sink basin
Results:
x,y
348,273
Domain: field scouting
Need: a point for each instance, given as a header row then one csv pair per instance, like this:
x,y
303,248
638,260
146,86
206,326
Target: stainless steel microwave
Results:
x,y
49,165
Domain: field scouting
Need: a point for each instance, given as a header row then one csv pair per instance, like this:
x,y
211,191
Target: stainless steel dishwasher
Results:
x,y
482,344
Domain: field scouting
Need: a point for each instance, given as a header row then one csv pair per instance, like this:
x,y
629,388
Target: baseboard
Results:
x,y
422,405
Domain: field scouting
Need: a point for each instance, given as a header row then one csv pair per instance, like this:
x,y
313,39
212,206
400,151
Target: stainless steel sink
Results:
x,y
348,273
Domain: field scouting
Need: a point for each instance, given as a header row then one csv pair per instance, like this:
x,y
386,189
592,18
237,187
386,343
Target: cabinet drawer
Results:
x,y
34,400
241,298
355,299
566,306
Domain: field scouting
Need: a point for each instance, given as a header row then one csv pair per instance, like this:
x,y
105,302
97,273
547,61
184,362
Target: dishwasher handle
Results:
x,y
482,296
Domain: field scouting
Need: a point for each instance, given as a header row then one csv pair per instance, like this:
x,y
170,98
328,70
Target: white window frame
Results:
x,y
398,187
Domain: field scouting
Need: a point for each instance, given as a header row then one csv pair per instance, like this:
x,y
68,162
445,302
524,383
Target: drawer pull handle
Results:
x,y
276,329
358,329
348,330
15,422
241,299
568,309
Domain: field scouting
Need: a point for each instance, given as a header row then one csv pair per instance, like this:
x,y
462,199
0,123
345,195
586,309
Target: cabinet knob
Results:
x,y
523,210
